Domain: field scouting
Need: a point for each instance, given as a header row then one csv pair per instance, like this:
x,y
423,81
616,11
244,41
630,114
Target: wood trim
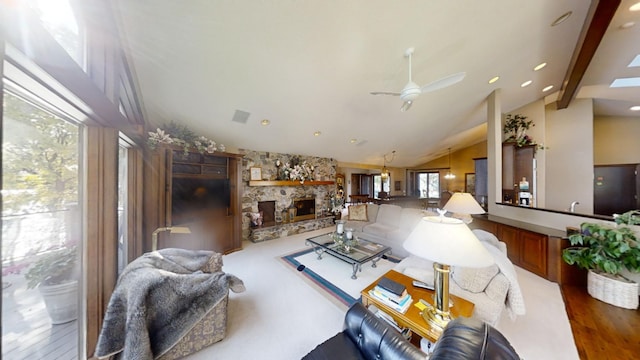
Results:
x,y
135,204
600,15
100,204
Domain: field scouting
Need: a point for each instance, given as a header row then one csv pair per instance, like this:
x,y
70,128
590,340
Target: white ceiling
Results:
x,y
310,66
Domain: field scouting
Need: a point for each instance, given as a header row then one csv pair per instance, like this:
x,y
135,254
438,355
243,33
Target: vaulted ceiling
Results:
x,y
309,67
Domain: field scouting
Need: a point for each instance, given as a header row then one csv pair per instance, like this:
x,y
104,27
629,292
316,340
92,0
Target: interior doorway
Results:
x,y
615,189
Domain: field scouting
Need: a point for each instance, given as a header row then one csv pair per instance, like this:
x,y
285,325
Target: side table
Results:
x,y
411,318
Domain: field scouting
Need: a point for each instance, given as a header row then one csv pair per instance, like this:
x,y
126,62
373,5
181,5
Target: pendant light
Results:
x,y
384,174
449,175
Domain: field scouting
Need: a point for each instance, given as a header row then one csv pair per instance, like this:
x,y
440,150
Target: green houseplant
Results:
x,y
516,127
55,276
605,251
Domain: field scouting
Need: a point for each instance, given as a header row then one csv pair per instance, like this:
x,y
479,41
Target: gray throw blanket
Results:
x,y
159,297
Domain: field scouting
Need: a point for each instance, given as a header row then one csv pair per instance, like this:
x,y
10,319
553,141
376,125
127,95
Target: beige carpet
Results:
x,y
283,316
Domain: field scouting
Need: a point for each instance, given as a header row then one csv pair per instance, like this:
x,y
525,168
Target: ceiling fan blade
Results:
x,y
444,82
384,93
406,106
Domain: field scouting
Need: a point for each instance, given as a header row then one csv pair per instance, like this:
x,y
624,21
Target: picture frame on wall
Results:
x,y
470,183
397,185
256,173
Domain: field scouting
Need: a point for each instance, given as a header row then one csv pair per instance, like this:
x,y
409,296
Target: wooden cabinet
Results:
x,y
517,163
525,248
533,252
199,191
533,248
509,235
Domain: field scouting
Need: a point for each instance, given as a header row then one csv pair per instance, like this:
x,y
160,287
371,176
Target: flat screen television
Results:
x,y
191,196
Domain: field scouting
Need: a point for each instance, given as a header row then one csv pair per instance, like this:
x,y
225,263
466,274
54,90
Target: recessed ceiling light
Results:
x,y
317,133
526,83
561,19
635,7
540,66
635,62
625,82
627,25
635,108
494,79
547,88
353,141
265,122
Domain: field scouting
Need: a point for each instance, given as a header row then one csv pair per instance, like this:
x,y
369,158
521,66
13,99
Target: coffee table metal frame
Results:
x,y
361,253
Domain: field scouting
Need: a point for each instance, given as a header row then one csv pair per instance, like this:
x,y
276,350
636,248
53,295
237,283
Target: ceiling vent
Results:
x,y
240,116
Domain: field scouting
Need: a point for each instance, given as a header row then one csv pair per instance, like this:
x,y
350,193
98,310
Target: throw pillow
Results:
x,y
474,280
358,212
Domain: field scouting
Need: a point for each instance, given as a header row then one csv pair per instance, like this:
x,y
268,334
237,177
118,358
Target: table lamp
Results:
x,y
463,204
445,241
171,229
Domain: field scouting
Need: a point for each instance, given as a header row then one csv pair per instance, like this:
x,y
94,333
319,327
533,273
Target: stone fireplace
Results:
x,y
271,196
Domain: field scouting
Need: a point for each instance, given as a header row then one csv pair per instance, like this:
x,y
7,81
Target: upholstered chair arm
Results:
x,y
375,339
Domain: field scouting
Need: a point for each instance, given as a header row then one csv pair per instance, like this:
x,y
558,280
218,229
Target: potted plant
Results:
x,y
517,126
605,251
54,274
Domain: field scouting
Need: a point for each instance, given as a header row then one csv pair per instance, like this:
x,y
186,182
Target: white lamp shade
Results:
x,y
463,203
447,241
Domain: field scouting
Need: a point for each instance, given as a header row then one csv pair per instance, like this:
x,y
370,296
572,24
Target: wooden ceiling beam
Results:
x,y
600,15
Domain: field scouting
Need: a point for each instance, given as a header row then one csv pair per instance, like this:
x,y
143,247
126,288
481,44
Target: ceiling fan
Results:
x,y
411,91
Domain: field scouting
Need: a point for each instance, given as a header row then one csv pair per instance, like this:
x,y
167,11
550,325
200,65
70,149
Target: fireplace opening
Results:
x,y
305,209
268,209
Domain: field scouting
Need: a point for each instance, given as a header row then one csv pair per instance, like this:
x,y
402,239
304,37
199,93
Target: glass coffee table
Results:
x,y
356,253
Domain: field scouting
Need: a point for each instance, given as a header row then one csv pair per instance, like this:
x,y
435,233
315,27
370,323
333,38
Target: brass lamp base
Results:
x,y
436,320
438,315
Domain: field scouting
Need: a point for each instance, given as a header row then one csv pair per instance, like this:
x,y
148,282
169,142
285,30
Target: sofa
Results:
x,y
492,289
365,336
385,224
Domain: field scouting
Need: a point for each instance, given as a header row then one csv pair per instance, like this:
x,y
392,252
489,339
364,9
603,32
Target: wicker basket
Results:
x,y
612,291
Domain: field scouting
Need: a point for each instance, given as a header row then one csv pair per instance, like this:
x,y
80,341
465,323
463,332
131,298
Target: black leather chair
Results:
x,y
365,336
469,338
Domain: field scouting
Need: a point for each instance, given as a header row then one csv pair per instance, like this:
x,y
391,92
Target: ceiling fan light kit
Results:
x,y
411,91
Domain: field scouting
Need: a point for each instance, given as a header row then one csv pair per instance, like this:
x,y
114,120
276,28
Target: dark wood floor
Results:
x,y
600,330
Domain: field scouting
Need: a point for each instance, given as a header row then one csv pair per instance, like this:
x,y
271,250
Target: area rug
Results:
x,y
332,276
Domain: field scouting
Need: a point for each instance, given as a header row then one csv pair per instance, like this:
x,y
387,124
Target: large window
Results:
x,y
58,18
41,230
429,185
379,185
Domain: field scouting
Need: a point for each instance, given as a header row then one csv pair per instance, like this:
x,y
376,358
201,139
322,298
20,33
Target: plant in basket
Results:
x,y
605,251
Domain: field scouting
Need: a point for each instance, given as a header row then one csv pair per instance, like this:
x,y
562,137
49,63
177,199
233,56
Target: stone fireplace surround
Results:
x,y
325,170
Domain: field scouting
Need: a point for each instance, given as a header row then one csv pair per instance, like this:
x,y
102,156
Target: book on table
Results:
x,y
392,286
393,297
400,305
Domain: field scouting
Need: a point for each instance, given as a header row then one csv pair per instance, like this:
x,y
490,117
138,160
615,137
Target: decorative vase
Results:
x,y
292,213
61,301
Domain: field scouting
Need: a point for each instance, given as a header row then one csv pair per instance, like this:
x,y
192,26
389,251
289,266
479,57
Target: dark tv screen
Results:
x,y
189,195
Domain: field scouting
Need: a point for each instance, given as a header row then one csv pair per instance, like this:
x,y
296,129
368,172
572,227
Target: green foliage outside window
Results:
x,y
39,167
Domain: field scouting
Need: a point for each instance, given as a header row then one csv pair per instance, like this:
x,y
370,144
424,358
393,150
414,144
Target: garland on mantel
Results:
x,y
180,135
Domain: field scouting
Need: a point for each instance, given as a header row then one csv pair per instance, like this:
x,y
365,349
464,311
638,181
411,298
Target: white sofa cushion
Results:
x,y
379,230
389,215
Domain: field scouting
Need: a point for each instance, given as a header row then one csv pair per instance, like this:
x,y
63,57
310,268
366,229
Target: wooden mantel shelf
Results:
x,y
287,183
